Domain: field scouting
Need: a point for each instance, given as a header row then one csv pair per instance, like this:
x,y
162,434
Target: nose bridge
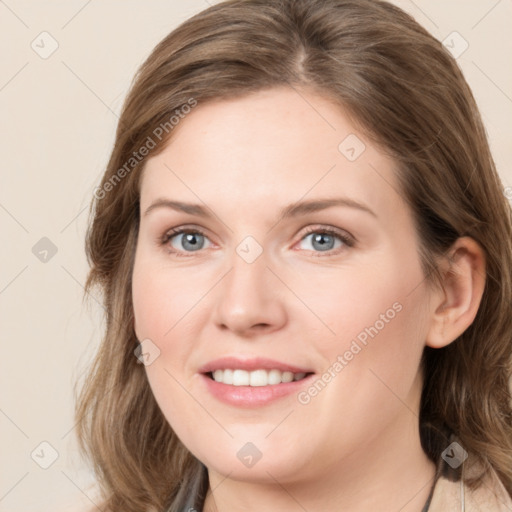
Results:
x,y
248,277
247,295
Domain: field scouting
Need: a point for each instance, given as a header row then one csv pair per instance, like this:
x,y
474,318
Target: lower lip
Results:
x,y
253,396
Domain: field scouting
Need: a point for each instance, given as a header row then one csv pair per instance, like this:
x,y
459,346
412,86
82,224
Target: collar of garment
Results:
x,y
452,492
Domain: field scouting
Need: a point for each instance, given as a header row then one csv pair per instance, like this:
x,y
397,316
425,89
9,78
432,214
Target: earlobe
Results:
x,y
456,303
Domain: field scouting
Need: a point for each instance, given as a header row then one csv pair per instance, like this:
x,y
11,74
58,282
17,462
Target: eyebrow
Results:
x,y
292,210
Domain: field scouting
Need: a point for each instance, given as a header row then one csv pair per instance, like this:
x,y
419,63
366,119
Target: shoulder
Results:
x,y
490,496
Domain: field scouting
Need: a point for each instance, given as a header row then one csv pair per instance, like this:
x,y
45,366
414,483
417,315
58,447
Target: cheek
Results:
x,y
368,300
372,362
168,307
378,320
163,305
163,300
159,303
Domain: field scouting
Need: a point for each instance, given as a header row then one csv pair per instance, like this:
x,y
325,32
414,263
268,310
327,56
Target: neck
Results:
x,y
382,476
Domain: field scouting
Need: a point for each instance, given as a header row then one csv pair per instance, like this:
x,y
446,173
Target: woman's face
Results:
x,y
301,262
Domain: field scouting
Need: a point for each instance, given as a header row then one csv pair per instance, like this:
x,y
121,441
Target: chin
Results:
x,y
259,461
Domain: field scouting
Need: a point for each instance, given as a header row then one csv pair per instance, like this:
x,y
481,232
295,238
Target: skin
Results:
x,y
356,442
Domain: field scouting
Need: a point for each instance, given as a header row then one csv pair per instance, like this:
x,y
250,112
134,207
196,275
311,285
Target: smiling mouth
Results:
x,y
255,378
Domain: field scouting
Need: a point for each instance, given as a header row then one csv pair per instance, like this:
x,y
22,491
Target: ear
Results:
x,y
455,304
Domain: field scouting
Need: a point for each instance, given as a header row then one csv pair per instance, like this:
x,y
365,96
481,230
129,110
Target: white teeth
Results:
x,y
255,378
240,378
258,378
287,376
274,377
227,376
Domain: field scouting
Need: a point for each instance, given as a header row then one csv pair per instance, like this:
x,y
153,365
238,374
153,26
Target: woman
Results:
x,y
305,254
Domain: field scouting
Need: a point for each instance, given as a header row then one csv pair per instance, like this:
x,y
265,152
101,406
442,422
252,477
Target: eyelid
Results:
x,y
168,234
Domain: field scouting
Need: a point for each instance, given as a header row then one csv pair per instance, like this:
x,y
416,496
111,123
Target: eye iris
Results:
x,y
321,239
191,238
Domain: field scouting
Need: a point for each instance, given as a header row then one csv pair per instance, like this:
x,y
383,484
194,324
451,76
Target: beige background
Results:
x,y
57,127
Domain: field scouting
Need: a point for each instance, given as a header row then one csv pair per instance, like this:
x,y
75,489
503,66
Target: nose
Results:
x,y
249,299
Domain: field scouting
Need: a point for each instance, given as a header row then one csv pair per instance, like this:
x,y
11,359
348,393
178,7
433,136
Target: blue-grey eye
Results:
x,y
190,241
321,241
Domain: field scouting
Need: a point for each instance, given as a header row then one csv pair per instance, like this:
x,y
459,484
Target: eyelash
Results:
x,y
347,240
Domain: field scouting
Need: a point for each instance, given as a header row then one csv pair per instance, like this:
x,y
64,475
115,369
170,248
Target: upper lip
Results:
x,y
258,363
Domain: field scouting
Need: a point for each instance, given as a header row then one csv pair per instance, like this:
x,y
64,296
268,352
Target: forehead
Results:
x,y
270,148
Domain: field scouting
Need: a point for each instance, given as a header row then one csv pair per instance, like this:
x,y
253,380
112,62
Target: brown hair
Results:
x,y
408,95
